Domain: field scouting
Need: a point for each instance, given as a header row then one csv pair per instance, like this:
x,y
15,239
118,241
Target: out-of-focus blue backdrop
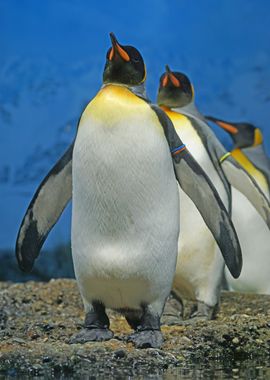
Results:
x,y
51,61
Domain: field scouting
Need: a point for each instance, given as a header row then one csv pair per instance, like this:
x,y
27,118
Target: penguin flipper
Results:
x,y
44,210
196,184
242,181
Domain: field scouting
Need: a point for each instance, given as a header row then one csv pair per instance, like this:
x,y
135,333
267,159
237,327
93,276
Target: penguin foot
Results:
x,y
91,335
147,327
203,312
96,325
146,339
133,319
173,311
171,320
194,319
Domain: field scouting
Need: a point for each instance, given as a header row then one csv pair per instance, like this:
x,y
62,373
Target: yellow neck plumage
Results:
x,y
243,160
258,137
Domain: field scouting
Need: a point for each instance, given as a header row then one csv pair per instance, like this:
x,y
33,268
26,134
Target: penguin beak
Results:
x,y
170,76
117,50
227,127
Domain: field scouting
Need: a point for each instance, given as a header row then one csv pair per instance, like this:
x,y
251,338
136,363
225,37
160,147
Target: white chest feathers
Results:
x,y
125,218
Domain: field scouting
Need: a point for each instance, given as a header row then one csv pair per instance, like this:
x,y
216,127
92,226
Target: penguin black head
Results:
x,y
124,65
175,89
244,135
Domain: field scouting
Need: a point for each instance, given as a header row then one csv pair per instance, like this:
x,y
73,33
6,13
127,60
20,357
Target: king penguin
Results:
x,y
200,268
123,168
248,151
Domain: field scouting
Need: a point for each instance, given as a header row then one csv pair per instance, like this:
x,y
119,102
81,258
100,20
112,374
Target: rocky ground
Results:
x,y
37,320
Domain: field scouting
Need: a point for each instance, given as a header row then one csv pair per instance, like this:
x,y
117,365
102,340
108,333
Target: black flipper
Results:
x,y
196,184
44,210
214,148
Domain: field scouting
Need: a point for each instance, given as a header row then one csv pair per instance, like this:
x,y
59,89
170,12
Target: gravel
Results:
x,y
37,320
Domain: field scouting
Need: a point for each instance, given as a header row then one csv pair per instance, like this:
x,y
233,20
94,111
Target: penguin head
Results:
x,y
124,65
244,135
175,89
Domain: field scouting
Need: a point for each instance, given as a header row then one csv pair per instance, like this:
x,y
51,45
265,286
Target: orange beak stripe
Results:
x,y
174,80
111,54
165,81
227,127
122,53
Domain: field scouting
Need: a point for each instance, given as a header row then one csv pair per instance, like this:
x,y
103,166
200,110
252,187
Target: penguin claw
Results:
x,y
91,335
146,339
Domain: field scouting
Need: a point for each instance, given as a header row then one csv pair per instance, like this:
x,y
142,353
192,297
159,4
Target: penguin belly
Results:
x,y
200,264
125,219
255,242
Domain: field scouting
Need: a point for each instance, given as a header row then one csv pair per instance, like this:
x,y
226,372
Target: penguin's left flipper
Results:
x,y
196,184
44,210
240,179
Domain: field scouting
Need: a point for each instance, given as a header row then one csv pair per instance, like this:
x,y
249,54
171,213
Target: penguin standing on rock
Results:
x,y
249,152
125,205
199,270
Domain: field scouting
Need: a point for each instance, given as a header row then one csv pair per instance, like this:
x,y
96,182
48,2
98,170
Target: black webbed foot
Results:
x,y
147,329
146,339
173,311
96,326
203,312
91,335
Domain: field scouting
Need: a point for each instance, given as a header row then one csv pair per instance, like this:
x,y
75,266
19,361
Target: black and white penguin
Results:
x,y
249,152
125,204
200,267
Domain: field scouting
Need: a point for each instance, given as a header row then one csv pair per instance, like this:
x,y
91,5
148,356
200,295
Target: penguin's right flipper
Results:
x,y
44,210
196,184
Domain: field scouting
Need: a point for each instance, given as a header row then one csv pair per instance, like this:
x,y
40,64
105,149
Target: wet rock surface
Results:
x,y
38,319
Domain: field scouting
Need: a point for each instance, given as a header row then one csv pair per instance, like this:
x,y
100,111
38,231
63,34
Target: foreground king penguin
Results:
x,y
200,267
249,152
123,168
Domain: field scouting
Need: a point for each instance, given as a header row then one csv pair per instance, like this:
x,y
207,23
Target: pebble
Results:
x,y
120,354
18,340
248,335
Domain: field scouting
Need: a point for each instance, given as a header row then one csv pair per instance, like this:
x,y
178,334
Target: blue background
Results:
x,y
51,62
